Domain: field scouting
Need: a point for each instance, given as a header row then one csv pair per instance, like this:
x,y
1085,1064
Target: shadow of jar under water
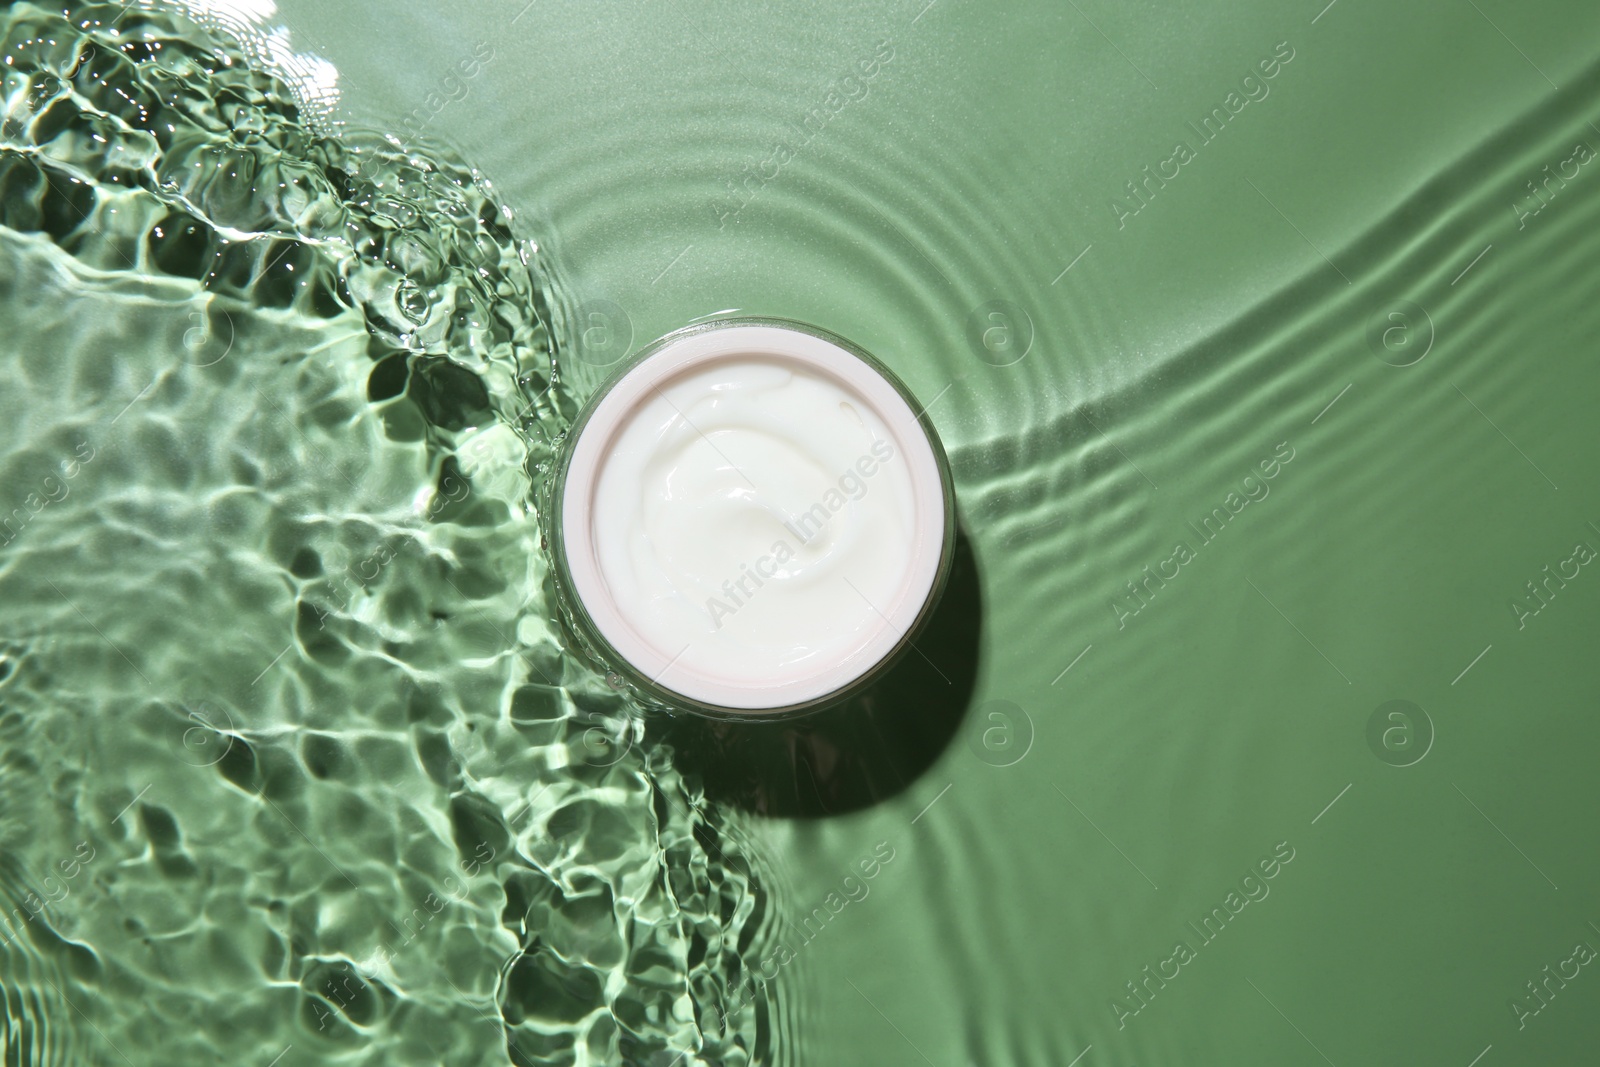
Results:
x,y
857,754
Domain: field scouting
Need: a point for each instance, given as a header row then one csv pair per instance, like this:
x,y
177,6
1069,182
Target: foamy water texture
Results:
x,y
294,765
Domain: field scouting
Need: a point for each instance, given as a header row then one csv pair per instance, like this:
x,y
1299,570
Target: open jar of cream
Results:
x,y
753,518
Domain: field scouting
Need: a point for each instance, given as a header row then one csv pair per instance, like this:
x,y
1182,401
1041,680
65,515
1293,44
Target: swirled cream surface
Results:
x,y
757,527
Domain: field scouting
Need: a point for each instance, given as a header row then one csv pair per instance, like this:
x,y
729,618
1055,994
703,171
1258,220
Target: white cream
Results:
x,y
752,526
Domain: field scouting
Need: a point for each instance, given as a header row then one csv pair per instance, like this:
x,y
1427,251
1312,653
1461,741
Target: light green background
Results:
x,y
1174,355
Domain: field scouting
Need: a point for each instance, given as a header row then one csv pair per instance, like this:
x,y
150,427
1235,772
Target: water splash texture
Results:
x,y
293,759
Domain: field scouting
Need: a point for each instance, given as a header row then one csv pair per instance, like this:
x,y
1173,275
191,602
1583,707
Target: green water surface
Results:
x,y
1261,341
